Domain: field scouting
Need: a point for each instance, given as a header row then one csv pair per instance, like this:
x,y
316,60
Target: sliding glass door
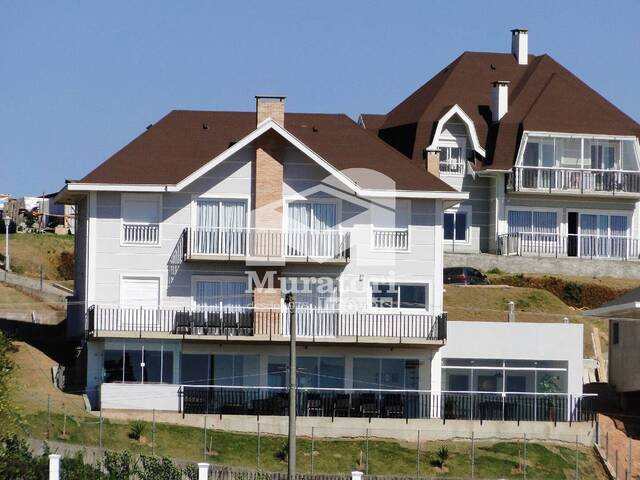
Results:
x,y
221,227
311,229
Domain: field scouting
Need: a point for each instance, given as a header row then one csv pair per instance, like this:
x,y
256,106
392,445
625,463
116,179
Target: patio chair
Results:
x,y
214,323
342,405
198,323
369,405
314,405
393,406
182,323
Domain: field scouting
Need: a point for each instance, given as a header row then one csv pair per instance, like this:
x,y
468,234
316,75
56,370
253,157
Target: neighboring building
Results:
x,y
551,167
624,346
180,233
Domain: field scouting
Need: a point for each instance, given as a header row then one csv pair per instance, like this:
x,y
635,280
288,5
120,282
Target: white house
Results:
x,y
190,237
551,167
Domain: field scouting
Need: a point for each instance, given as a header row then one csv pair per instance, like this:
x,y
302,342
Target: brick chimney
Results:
x,y
267,211
433,161
270,106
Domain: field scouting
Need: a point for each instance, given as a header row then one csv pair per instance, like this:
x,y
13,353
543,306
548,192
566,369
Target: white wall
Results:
x,y
131,396
519,341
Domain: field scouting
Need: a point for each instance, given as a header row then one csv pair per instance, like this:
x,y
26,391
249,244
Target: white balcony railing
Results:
x,y
391,239
249,322
453,166
267,243
549,179
555,245
141,234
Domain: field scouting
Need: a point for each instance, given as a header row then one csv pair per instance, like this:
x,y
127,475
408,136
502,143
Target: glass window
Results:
x,y
384,295
531,150
133,364
235,369
307,370
113,364
520,381
278,370
387,295
569,152
551,381
331,372
455,226
194,369
457,380
487,380
385,373
152,366
413,296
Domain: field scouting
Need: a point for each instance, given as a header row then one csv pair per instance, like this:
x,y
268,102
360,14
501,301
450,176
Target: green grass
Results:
x,y
386,457
30,250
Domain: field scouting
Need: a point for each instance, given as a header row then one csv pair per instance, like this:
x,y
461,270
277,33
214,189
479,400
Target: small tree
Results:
x,y
442,456
136,430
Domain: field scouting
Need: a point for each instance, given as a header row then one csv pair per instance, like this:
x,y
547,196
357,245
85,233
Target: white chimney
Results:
x,y
520,44
499,100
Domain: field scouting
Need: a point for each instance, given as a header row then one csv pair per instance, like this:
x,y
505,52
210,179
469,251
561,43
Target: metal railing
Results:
x,y
373,403
391,239
247,322
555,245
141,234
550,179
266,243
453,166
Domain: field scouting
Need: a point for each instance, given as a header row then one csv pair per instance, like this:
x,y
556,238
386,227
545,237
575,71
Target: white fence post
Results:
x,y
54,466
203,471
356,475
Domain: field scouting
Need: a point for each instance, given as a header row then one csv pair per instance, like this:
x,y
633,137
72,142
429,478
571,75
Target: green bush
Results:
x,y
495,271
120,465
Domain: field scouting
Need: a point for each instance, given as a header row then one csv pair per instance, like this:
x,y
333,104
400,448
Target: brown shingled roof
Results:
x,y
543,96
179,144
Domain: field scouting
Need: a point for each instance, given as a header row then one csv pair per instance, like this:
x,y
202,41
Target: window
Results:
x,y
455,226
311,229
312,292
403,295
141,216
312,372
220,369
504,376
532,222
140,292
138,362
220,227
223,292
615,333
386,373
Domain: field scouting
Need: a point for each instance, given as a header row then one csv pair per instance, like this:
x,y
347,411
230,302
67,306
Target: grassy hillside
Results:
x,y
489,303
29,251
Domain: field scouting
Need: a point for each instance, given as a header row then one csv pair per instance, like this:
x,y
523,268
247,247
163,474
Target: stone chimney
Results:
x,y
270,106
499,100
433,161
520,45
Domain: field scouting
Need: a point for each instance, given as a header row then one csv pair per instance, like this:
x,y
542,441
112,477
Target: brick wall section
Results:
x,y
433,162
270,108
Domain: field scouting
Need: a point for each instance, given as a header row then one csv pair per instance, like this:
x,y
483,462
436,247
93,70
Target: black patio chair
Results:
x,y
393,406
313,406
214,323
369,406
342,405
198,323
182,323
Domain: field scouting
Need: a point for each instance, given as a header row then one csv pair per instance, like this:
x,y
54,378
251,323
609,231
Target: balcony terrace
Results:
x,y
255,325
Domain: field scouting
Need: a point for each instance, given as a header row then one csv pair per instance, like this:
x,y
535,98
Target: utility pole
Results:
x,y
290,302
7,262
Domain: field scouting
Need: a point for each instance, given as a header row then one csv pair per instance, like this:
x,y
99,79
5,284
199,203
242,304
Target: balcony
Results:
x,y
391,239
249,324
574,181
357,403
140,234
255,244
584,246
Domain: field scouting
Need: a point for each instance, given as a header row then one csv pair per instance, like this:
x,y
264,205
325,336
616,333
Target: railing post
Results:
x,y
54,466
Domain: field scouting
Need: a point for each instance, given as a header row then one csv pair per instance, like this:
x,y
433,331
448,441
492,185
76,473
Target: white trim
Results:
x,y
471,129
218,196
579,135
413,194
115,187
427,284
92,238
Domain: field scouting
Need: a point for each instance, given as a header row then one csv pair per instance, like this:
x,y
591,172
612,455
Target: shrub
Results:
x,y
154,468
283,452
120,466
442,455
66,265
495,271
136,430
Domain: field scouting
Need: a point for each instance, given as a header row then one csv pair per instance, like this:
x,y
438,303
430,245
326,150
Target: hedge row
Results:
x,y
574,294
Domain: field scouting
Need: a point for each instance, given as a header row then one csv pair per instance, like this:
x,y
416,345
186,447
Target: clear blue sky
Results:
x,y
79,80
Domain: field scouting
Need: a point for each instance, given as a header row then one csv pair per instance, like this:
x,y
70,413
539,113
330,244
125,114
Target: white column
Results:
x,y
203,471
356,475
54,467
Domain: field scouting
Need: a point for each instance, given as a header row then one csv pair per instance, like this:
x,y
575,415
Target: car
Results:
x,y
464,276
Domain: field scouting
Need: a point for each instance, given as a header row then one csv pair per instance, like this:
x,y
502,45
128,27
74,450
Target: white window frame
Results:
x,y
214,278
220,197
300,199
426,284
455,142
462,209
124,197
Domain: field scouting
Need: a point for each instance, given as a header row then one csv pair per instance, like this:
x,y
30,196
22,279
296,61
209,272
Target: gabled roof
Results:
x,y
184,142
626,305
543,96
